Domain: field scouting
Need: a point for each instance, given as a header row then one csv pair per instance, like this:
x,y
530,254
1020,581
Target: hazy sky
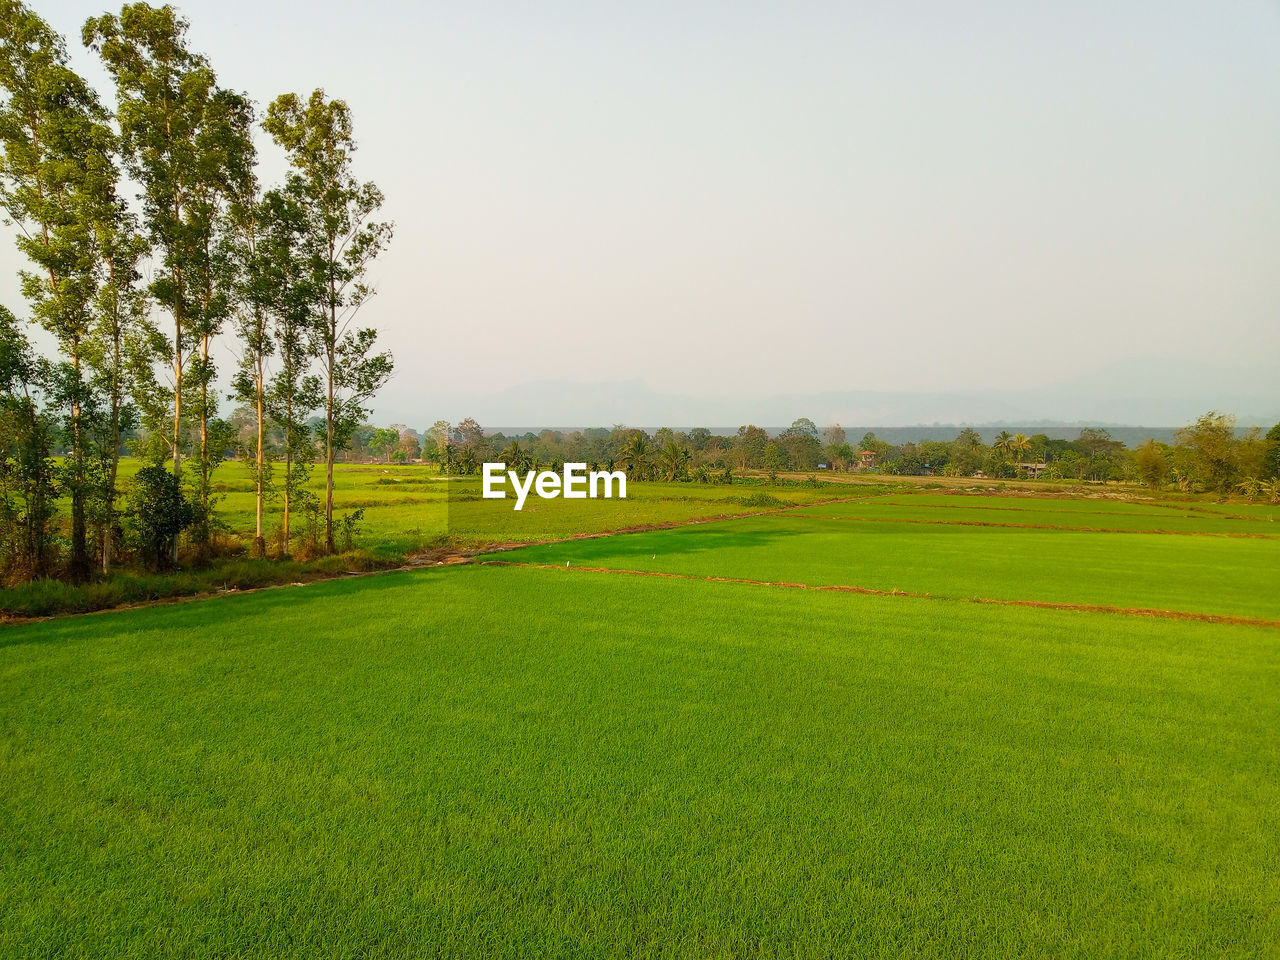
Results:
x,y
733,197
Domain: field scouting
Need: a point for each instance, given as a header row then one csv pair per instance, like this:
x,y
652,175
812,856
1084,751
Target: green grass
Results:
x,y
509,763
499,762
1235,577
1100,515
406,508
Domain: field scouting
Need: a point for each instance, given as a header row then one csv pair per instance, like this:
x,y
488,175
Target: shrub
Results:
x,y
158,512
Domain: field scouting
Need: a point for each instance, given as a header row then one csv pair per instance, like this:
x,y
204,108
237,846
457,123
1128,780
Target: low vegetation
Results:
x,y
647,765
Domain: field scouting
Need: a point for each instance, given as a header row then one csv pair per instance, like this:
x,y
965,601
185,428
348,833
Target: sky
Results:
x,y
712,201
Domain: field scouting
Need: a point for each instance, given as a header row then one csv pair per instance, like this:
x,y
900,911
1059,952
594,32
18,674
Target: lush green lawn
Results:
x,y
1081,514
1239,577
489,761
501,762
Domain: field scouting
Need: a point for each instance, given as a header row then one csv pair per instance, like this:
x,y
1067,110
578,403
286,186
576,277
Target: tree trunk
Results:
x,y
332,346
288,469
113,459
79,533
203,529
260,544
328,496
177,409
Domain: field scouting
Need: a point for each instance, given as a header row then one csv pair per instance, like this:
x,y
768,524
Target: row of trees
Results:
x,y
1209,455
135,291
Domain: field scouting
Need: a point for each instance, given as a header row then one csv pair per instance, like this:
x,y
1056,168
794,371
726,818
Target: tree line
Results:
x,y
149,238
1210,455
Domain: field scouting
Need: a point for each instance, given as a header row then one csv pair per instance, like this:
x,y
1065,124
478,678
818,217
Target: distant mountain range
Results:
x,y
1166,394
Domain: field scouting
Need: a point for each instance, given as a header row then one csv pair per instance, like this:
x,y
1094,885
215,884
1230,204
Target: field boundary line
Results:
x,y
1146,612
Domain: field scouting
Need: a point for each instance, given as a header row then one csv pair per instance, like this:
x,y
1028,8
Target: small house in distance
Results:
x,y
1032,470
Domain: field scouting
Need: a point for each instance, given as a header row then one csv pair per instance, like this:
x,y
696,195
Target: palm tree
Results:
x,y
1020,445
467,461
515,458
1003,444
672,459
633,456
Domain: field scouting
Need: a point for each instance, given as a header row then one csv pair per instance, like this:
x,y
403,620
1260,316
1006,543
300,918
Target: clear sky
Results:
x,y
742,198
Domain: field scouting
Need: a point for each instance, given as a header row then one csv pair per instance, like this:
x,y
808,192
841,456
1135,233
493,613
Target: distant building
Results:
x,y
1032,470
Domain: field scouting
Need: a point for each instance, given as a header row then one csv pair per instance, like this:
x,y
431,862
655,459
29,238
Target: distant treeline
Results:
x,y
1208,455
1130,436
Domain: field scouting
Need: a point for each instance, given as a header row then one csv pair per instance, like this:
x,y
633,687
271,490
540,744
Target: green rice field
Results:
x,y
672,743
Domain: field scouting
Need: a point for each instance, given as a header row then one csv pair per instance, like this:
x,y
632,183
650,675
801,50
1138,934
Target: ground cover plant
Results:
x,y
1205,574
393,766
1052,513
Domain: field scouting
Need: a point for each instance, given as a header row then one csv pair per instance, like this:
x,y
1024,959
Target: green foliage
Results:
x,y
158,513
343,239
1152,464
349,528
28,490
1210,454
1271,462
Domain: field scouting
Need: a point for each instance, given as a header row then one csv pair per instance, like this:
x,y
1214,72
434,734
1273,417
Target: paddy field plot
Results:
x,y
514,761
1228,576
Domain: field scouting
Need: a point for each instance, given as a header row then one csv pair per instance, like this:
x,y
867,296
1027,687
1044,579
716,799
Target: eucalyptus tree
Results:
x,y
293,392
344,239
254,295
225,180
183,140
121,350
28,493
57,184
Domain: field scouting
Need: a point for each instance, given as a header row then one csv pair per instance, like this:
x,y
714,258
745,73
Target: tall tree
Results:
x,y
174,126
672,459
57,181
28,495
121,350
254,293
345,239
1271,463
293,392
633,455
224,182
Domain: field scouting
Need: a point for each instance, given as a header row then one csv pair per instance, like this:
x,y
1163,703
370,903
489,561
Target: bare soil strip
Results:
x,y
1039,526
872,591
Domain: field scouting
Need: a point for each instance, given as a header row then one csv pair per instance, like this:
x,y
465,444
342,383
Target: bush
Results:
x,y
764,500
158,512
